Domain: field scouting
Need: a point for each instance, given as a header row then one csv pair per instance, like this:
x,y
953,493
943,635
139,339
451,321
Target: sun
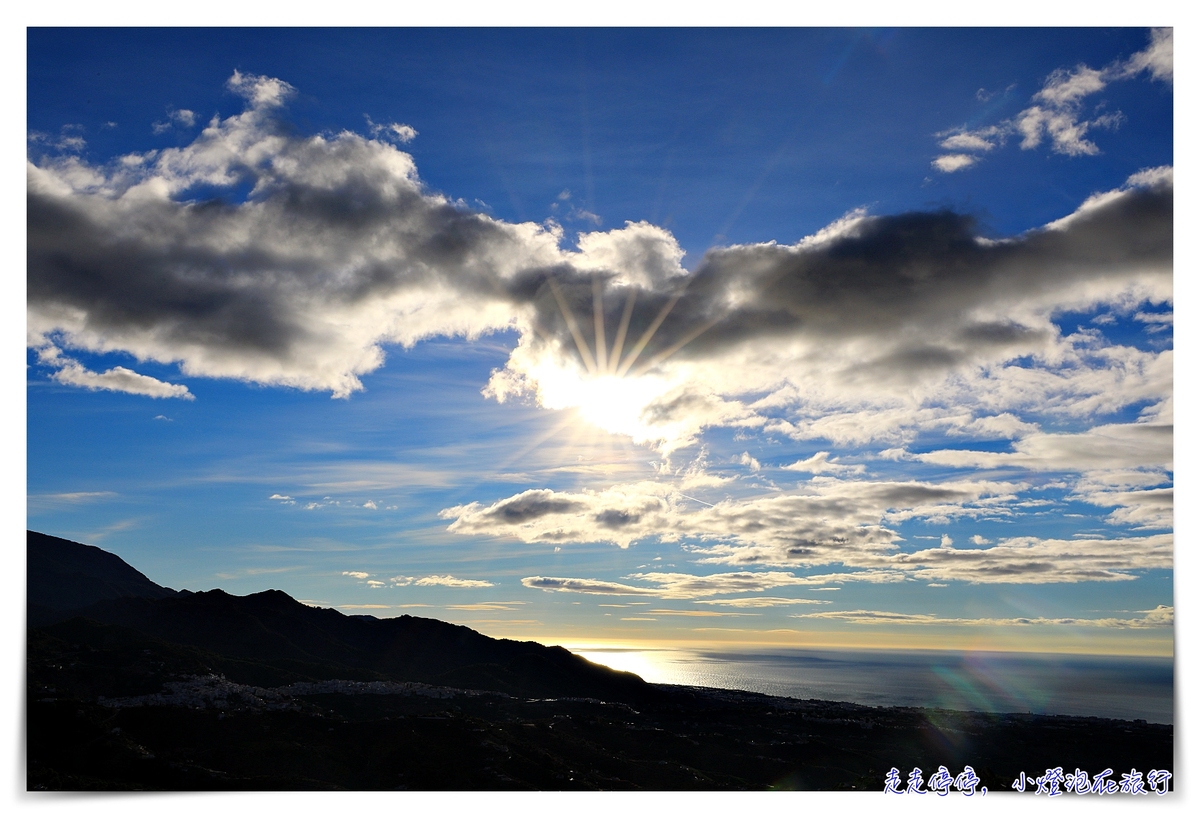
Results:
x,y
613,403
615,385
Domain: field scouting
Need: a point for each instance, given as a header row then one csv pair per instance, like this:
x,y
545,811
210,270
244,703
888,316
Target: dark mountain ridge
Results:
x,y
271,636
62,576
134,686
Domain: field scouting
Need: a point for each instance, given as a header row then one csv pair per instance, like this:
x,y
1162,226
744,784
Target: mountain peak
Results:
x,y
63,575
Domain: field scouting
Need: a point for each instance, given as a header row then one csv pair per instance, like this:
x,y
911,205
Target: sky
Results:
x,y
675,337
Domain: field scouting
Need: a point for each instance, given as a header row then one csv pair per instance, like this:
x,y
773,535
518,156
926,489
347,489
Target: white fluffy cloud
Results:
x,y
120,379
950,162
1056,114
117,379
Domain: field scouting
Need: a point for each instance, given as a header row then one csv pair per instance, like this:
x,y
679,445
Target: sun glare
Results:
x,y
612,403
609,391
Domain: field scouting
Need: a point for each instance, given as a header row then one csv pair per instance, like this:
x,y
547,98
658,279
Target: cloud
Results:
x,y
982,140
585,586
705,614
878,314
1161,617
75,496
1143,509
954,161
120,379
1030,560
1062,124
487,606
761,602
1056,112
688,586
832,522
393,131
356,574
261,92
1158,58
821,463
278,289
36,503
826,521
749,461
876,329
668,585
1101,448
68,140
340,250
452,582
620,515
182,118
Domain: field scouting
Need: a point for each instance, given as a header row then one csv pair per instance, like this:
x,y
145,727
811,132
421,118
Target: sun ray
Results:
x,y
598,322
573,326
619,342
648,334
675,347
568,419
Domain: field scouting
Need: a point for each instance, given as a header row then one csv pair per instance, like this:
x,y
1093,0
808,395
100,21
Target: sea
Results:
x,y
1117,687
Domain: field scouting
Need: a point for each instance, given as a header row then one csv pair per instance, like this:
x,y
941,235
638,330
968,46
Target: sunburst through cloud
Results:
x,y
847,355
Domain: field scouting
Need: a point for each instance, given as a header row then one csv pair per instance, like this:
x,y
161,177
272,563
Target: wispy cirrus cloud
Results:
x,y
444,580
673,585
585,586
37,503
762,602
450,581
1162,616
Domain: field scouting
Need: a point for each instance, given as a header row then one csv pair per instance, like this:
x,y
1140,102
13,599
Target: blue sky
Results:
x,y
319,310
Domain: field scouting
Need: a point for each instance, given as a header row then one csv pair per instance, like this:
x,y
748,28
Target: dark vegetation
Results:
x,y
133,686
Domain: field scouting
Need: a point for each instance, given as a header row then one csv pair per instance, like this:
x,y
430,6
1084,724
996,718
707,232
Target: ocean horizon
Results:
x,y
1118,687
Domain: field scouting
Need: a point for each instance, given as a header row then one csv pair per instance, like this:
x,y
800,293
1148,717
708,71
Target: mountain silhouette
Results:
x,y
269,637
64,576
134,686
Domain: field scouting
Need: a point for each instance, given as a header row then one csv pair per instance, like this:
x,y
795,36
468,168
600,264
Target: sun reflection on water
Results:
x,y
1109,687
